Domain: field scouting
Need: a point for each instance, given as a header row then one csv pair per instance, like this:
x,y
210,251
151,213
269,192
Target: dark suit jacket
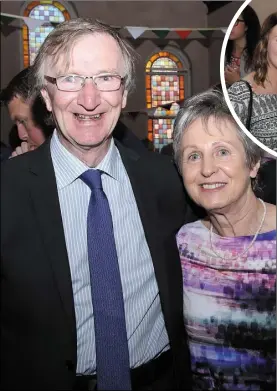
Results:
x,y
38,330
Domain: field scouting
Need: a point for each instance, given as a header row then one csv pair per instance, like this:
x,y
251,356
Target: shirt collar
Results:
x,y
68,167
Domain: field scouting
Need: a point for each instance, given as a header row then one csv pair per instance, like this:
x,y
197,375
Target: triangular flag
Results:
x,y
206,33
6,19
6,29
167,105
136,31
161,33
54,24
133,114
183,33
33,23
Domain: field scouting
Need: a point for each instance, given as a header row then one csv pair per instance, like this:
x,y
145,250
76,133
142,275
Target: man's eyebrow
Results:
x,y
72,71
16,118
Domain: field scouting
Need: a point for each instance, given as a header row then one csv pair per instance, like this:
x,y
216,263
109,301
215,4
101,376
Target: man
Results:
x,y
29,114
82,212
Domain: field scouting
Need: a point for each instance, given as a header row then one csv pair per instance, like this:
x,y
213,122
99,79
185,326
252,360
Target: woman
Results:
x,y
263,84
228,258
241,45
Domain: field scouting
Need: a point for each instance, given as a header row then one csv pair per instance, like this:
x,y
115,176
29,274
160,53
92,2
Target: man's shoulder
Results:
x,y
160,167
16,168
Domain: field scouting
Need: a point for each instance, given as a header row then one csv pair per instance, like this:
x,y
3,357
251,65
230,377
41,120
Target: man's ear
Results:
x,y
124,99
46,98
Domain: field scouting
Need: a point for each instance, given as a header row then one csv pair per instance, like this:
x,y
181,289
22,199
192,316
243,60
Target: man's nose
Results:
x,y
22,131
89,96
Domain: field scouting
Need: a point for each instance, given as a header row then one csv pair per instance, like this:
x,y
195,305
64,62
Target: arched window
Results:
x,y
165,83
50,11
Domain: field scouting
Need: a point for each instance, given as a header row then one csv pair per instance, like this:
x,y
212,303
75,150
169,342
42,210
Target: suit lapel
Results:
x,y
44,196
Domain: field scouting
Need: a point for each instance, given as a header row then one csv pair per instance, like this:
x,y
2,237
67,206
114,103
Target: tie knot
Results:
x,y
92,178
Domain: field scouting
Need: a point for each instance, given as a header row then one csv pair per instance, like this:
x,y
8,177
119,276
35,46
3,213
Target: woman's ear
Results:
x,y
254,170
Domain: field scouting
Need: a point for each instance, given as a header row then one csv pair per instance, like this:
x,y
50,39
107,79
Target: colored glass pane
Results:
x,y
48,11
165,63
166,86
162,132
164,89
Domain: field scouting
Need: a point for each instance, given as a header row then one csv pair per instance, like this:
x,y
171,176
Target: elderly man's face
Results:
x,y
86,118
20,113
213,164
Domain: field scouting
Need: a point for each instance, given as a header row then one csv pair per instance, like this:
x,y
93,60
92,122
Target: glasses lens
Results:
x,y
70,83
108,82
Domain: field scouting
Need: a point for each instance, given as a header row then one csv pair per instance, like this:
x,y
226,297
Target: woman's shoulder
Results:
x,y
270,220
191,229
239,88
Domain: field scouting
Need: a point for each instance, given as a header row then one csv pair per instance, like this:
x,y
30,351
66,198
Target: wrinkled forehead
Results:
x,y
89,55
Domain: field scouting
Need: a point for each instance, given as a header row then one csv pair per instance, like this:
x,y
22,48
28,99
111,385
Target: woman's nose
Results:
x,y
208,166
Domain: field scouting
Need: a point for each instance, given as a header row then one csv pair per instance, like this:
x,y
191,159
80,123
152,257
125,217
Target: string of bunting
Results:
x,y
134,31
153,111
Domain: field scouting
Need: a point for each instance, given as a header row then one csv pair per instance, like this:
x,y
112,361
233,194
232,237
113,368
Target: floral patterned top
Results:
x,y
229,309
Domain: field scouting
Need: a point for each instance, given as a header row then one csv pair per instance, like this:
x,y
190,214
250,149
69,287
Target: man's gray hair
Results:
x,y
60,42
205,105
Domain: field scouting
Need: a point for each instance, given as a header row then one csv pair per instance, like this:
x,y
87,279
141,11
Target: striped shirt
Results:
x,y
146,331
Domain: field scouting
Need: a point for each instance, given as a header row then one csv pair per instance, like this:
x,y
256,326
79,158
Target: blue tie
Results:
x,y
112,354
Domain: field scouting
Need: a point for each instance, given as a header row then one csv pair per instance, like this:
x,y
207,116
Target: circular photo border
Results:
x,y
223,84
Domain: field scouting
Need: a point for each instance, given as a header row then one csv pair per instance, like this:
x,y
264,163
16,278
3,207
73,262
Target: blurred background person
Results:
x,y
241,45
229,257
30,115
260,117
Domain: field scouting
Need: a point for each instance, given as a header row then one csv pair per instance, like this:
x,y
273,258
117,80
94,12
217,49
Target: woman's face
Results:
x,y
213,164
239,29
272,48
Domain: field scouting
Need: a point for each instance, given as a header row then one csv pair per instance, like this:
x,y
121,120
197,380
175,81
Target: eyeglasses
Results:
x,y
238,21
70,83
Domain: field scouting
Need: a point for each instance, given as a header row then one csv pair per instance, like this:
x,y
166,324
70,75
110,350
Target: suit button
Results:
x,y
69,365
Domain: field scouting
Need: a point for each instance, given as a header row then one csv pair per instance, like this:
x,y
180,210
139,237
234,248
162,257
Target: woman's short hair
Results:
x,y
60,42
260,61
206,105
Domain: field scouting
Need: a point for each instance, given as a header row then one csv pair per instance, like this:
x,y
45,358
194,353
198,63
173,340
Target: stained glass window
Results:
x,y
52,12
164,87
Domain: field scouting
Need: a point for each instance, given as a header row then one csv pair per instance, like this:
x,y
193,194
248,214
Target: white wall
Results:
x,y
264,8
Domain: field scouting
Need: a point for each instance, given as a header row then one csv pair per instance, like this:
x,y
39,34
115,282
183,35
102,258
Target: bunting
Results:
x,y
134,31
160,33
32,23
207,33
6,19
183,33
152,111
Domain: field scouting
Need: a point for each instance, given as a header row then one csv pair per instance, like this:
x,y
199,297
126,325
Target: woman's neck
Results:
x,y
239,46
241,218
271,80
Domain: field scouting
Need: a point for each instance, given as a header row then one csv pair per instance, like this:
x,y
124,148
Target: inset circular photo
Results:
x,y
248,72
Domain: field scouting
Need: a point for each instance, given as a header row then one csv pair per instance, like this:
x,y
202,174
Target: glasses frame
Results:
x,y
238,21
54,80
